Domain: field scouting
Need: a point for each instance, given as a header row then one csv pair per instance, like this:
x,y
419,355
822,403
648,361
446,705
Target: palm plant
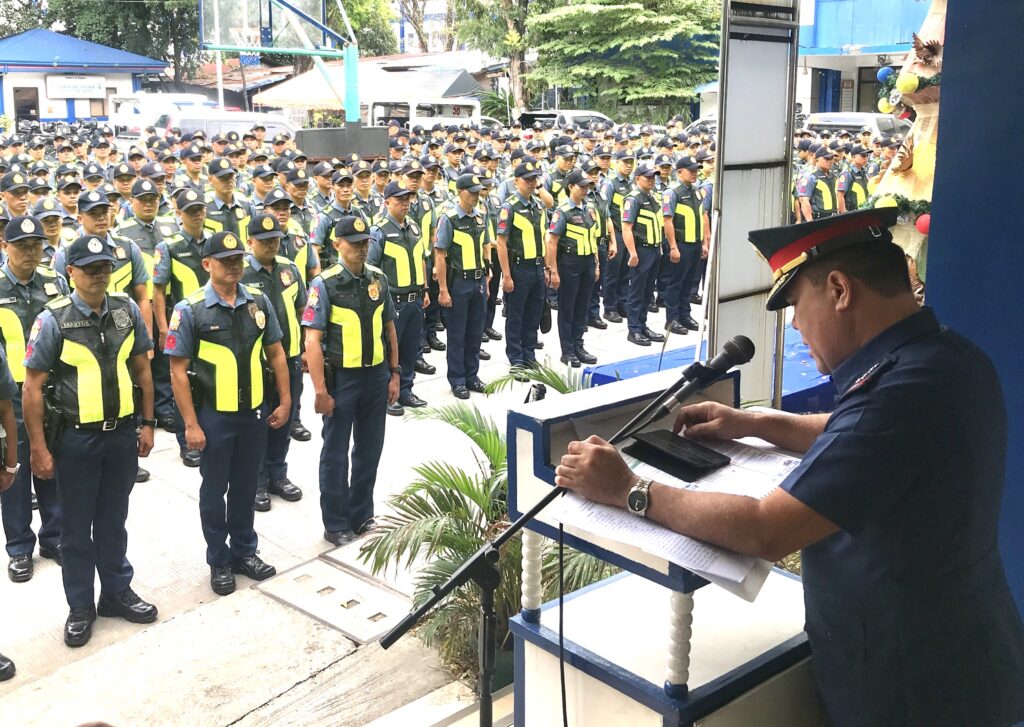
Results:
x,y
447,513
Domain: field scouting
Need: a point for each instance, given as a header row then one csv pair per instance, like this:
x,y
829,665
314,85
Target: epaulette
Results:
x,y
46,272
196,296
58,303
252,291
125,224
331,271
118,295
373,269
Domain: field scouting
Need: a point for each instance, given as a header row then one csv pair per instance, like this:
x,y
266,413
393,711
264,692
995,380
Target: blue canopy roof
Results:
x,y
39,48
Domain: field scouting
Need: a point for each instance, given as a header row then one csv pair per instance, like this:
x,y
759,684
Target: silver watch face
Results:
x,y
637,500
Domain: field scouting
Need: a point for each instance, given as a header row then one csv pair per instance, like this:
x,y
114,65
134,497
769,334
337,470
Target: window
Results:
x,y
97,107
867,90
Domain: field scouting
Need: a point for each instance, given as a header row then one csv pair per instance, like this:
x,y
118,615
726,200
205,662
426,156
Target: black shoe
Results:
x,y
395,410
425,348
6,668
538,345
435,343
254,567
422,367
78,627
597,323
586,357
141,475
521,376
654,336
51,554
652,307
571,360
340,537
492,334
696,299
461,392
484,338
677,328
476,385
612,316
300,433
167,424
690,323
411,400
639,339
20,568
262,501
127,606
189,457
222,581
35,502
484,355
368,527
286,490
439,326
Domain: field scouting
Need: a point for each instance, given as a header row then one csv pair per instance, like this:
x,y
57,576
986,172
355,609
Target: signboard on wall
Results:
x,y
67,86
846,100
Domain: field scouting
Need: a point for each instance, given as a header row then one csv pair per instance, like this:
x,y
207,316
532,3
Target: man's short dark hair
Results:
x,y
880,266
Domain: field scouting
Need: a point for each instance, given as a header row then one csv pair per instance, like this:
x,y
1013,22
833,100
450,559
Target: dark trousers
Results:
x,y
493,290
433,312
665,271
409,330
615,278
465,328
230,464
641,286
576,278
163,398
524,307
684,273
16,501
699,277
594,311
98,471
275,466
360,400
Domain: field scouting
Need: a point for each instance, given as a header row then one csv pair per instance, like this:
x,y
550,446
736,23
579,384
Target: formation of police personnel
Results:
x,y
836,172
189,283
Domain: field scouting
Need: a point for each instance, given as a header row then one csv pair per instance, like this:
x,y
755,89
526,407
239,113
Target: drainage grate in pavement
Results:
x,y
358,609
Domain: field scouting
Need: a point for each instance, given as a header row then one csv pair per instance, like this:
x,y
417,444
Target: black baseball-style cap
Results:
x,y
264,226
88,249
352,229
23,228
222,244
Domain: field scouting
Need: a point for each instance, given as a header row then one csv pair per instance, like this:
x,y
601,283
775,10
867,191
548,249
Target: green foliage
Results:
x,y
646,54
563,380
907,207
371,22
578,570
497,104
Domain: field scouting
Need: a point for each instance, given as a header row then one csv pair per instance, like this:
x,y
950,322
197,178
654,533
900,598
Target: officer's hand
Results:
x,y
596,470
324,404
554,281
507,284
305,363
673,254
426,300
279,416
597,274
6,480
444,298
712,420
161,338
145,441
634,260
393,388
612,251
42,463
195,438
704,251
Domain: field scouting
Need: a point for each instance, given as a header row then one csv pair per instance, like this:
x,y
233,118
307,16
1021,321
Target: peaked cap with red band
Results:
x,y
787,248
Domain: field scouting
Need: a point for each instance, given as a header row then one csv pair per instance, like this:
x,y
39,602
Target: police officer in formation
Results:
x,y
222,339
642,230
685,220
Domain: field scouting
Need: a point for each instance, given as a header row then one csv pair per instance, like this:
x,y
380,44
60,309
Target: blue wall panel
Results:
x,y
839,23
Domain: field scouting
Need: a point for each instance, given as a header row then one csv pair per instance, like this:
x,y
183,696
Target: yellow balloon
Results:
x,y
907,83
886,201
884,106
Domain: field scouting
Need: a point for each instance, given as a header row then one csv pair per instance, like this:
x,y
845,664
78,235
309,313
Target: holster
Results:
x,y
193,385
329,376
54,422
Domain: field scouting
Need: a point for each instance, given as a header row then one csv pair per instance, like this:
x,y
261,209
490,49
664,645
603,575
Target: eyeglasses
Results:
x,y
98,270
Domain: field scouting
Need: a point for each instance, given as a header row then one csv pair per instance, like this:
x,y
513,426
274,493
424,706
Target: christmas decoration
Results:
x,y
886,201
907,83
885,107
924,223
884,73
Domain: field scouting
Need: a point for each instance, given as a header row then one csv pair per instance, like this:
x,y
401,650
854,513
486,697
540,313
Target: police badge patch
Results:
x,y
122,321
373,289
286,277
50,289
119,253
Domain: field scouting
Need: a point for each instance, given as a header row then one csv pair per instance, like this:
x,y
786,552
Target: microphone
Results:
x,y
737,351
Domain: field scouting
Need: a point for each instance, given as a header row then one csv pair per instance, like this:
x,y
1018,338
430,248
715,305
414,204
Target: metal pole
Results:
x,y
218,58
715,261
317,60
344,18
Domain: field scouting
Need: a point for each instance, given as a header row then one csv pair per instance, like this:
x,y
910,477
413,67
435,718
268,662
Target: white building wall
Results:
x,y
56,108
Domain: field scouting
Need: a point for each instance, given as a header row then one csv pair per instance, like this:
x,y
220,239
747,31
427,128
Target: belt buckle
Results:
x,y
108,425
477,274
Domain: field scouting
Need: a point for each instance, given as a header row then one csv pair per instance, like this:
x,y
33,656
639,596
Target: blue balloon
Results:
x,y
884,73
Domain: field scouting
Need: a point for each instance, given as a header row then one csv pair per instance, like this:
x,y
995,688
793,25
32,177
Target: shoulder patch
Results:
x,y
373,269
870,376
118,295
330,272
58,303
196,295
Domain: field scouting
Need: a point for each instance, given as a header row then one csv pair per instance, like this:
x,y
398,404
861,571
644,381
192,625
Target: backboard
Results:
x,y
281,26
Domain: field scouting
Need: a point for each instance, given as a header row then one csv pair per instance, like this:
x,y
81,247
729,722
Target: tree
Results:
x,y
371,22
650,54
17,16
414,11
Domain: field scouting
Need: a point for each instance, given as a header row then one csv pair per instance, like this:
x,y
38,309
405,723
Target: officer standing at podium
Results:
x,y
895,504
349,315
94,346
221,332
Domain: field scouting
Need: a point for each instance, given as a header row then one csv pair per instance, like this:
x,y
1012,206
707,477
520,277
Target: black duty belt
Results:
x,y
538,261
408,297
107,425
470,274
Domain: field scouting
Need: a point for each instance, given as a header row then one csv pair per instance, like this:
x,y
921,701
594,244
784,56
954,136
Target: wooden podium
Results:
x,y
631,655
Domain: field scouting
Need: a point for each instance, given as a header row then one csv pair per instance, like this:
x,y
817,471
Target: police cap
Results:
x,y
23,228
578,178
823,153
361,167
90,200
46,207
67,180
688,163
153,170
646,169
351,229
412,167
193,151
341,175
394,189
527,170
277,196
469,183
263,226
13,181
88,249
261,171
859,150
222,244
787,249
297,176
221,167
39,185
429,162
323,169
187,198
803,145
663,160
144,187
92,171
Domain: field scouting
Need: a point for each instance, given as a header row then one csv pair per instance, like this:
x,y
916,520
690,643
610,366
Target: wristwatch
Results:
x,y
639,498
148,423
12,470
396,370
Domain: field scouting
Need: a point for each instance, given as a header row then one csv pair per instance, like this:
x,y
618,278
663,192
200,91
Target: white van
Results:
x,y
215,121
134,113
423,111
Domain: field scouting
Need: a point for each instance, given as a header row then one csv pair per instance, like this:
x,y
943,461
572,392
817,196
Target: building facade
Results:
x,y
843,43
